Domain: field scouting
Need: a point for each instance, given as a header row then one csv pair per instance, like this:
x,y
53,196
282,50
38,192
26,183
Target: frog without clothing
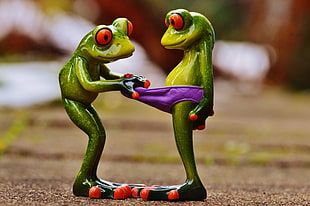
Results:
x,y
80,84
193,33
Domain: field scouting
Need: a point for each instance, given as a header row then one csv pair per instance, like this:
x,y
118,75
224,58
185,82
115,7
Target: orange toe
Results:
x,y
135,95
144,194
127,190
201,127
135,192
94,192
120,193
193,117
173,195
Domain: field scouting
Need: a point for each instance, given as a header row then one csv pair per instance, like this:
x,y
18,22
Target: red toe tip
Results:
x,y
128,190
201,127
120,193
135,95
128,75
94,192
147,84
144,194
193,117
173,195
135,192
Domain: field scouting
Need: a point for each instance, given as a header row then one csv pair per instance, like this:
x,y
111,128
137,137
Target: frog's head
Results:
x,y
185,29
108,43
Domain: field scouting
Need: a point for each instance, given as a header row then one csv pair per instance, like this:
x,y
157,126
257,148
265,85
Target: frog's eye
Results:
x,y
104,36
176,20
129,28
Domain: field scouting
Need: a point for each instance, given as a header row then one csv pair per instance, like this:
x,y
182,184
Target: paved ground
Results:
x,y
256,151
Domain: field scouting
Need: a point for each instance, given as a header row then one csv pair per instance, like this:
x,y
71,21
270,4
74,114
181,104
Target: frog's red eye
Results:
x,y
176,21
104,36
166,22
129,28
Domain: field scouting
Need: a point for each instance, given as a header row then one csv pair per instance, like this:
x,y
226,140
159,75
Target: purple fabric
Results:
x,y
164,98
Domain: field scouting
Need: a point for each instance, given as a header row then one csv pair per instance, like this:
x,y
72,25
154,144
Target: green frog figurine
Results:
x,y
187,95
189,91
81,79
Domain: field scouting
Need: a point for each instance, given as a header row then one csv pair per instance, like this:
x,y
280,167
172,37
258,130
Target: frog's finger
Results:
x,y
147,84
201,127
135,95
128,75
193,117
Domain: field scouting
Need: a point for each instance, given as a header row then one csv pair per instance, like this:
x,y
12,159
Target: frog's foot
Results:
x,y
119,193
101,189
135,191
125,191
187,191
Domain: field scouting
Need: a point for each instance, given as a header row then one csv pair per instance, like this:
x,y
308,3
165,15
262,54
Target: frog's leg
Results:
x,y
86,118
193,188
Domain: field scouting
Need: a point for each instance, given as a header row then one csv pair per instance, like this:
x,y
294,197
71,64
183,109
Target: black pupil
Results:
x,y
172,21
106,37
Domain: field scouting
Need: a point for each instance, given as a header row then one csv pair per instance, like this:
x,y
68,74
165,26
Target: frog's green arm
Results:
x,y
205,61
106,73
80,66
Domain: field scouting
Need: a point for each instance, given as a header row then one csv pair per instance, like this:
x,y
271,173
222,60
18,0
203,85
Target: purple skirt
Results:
x,y
163,98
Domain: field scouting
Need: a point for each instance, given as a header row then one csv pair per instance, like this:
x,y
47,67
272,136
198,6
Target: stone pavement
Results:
x,y
255,151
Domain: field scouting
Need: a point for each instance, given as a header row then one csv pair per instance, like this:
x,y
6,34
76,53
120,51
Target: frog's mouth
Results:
x,y
113,58
175,44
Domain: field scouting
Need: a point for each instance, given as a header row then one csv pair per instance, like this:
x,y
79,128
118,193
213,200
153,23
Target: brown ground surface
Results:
x,y
255,151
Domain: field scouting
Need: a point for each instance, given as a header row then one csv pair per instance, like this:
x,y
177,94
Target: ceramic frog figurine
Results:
x,y
193,33
80,82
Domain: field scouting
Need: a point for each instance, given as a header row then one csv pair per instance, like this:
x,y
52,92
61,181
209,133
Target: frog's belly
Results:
x,y
181,76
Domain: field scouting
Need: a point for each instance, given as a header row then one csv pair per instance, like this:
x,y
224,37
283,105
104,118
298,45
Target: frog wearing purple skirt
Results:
x,y
187,95
81,79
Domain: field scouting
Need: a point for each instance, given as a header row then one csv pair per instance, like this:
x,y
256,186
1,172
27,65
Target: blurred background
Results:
x,y
257,142
261,65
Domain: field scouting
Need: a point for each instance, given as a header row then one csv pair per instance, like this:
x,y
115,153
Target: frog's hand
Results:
x,y
199,116
140,81
193,115
131,82
128,88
